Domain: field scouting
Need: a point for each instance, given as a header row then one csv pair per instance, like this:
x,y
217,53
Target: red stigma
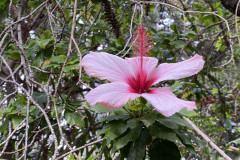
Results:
x,y
142,42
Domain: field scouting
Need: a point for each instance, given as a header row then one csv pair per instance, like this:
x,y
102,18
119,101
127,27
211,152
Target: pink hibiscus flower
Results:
x,y
132,78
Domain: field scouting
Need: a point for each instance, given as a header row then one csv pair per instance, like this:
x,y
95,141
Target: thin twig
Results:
x,y
23,18
80,59
77,149
130,32
41,109
9,135
12,133
60,77
205,137
236,24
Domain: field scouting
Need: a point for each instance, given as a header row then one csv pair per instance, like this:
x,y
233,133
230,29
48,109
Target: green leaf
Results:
x,y
219,44
138,147
38,60
42,43
32,49
227,124
59,110
40,98
143,100
113,129
215,91
10,110
148,119
58,59
67,14
100,38
34,111
138,107
47,34
168,38
98,108
189,114
3,126
15,55
124,152
164,150
176,86
16,121
71,67
70,157
178,43
173,122
132,135
119,42
196,140
74,119
132,123
118,127
207,19
217,4
50,65
1,113
162,132
73,61
189,33
190,148
174,28
114,117
236,141
185,138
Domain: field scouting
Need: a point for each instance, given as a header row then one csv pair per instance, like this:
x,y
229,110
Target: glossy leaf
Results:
x,y
138,148
164,150
74,119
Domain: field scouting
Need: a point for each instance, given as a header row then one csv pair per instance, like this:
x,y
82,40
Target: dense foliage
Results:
x,y
44,113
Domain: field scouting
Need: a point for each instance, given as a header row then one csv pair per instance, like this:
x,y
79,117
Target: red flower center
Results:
x,y
134,83
141,48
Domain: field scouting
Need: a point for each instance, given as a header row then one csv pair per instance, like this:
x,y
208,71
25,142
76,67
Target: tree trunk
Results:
x,y
231,5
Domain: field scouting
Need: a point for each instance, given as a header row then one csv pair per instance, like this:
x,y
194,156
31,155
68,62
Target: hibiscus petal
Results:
x,y
106,66
173,71
111,95
149,64
166,102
